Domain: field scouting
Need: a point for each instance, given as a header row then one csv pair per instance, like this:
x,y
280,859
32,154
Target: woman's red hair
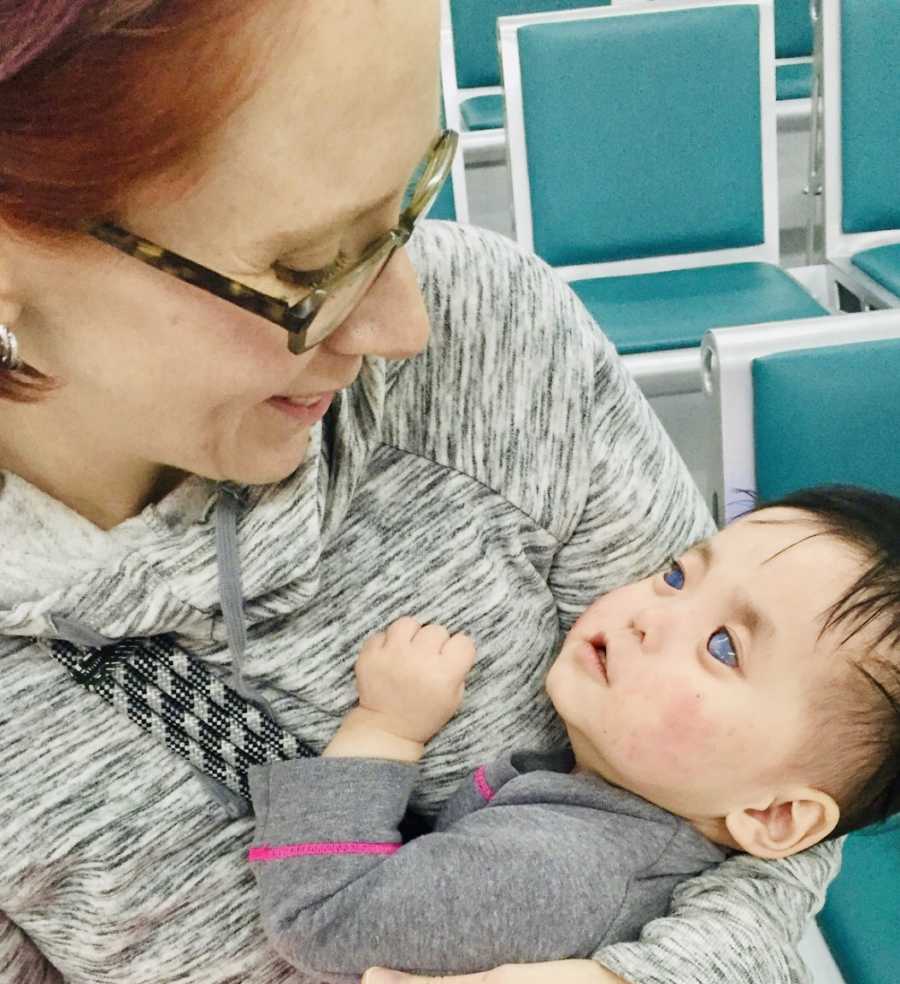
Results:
x,y
98,97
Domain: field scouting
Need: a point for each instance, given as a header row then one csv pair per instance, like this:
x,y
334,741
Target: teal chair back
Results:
x,y
844,412
475,34
841,408
859,920
643,133
870,114
793,29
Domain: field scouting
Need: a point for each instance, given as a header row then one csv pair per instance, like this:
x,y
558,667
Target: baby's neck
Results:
x,y
712,828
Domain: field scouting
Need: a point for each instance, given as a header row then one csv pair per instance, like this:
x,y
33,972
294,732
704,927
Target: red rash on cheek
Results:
x,y
680,737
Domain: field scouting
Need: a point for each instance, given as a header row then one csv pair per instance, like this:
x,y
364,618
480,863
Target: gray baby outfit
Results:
x,y
528,862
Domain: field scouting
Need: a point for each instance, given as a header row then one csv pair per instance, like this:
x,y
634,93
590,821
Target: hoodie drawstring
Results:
x,y
101,650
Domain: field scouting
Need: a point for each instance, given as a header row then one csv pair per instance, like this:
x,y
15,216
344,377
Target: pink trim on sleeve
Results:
x,y
482,785
266,852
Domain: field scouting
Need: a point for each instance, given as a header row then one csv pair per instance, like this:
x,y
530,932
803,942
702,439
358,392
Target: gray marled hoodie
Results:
x,y
496,484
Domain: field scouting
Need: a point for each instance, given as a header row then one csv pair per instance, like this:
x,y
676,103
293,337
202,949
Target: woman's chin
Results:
x,y
258,468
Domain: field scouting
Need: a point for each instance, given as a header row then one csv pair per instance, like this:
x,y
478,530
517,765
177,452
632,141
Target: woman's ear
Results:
x,y
10,310
791,823
10,303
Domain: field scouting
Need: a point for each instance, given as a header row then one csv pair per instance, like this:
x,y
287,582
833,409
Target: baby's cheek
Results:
x,y
683,738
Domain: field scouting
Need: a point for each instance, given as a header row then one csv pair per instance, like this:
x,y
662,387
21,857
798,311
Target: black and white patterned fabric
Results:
x,y
177,700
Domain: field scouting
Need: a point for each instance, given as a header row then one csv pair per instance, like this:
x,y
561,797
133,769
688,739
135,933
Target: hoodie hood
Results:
x,y
160,572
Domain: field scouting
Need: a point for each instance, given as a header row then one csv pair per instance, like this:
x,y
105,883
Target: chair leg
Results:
x,y
813,187
848,302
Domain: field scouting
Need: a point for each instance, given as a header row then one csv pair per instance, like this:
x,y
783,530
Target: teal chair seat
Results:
x,y
793,81
882,264
860,916
657,311
482,112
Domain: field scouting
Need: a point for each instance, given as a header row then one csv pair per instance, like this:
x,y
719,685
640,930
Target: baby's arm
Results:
x,y
339,893
323,826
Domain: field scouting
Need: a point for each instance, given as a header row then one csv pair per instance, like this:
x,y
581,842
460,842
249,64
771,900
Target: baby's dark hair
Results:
x,y
863,720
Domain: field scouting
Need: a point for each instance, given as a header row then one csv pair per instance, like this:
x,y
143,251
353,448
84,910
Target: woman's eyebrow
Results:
x,y
307,237
344,217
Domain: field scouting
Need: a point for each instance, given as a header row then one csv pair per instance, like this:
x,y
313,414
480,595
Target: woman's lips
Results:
x,y
307,409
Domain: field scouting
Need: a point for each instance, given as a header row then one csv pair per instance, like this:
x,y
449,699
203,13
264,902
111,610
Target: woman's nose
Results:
x,y
391,320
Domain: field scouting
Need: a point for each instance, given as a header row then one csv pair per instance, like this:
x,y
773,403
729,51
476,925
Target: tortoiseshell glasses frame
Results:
x,y
323,308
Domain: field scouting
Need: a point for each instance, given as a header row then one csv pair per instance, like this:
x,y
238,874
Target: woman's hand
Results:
x,y
553,972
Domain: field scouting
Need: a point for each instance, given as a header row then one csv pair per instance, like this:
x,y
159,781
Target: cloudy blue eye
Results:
x,y
674,577
721,647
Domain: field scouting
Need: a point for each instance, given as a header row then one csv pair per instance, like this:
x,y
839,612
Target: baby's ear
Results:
x,y
791,823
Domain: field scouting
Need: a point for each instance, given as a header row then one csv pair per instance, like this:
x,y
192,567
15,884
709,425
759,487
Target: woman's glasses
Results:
x,y
320,310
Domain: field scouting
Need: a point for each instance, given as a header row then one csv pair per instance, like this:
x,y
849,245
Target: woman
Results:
x,y
178,467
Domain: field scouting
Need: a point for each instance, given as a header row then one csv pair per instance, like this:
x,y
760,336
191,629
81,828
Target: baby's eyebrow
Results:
x,y
706,551
757,623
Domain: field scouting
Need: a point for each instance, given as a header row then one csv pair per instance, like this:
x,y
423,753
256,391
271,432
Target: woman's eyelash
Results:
x,y
310,278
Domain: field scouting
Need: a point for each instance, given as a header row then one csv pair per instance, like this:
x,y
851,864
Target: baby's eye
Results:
x,y
674,576
722,648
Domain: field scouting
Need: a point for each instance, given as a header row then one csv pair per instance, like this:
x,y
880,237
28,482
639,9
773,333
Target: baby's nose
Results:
x,y
651,625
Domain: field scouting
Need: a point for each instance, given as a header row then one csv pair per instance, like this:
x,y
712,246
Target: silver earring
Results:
x,y
9,350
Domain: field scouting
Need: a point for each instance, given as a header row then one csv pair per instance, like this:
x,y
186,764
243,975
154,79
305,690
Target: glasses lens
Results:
x,y
432,175
346,295
350,288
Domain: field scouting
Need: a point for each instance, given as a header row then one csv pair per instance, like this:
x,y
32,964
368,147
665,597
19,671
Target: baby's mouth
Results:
x,y
599,644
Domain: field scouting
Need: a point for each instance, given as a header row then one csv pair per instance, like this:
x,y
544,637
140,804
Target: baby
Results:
x,y
745,698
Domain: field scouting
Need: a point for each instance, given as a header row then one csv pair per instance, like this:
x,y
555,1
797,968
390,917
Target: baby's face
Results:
x,y
696,687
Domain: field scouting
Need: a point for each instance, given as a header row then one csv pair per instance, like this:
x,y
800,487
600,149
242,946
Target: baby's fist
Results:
x,y
413,676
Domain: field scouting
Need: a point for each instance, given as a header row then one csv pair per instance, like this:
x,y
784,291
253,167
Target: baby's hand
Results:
x,y
413,676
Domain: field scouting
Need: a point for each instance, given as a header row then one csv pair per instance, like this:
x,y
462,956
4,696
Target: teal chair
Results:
x,y
473,95
803,404
842,405
861,72
728,363
859,921
844,412
642,154
793,50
